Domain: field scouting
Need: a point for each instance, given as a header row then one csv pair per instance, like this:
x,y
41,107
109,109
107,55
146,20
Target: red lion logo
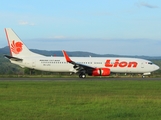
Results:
x,y
16,47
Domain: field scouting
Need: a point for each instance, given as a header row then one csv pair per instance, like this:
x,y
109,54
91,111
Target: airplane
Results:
x,y
92,66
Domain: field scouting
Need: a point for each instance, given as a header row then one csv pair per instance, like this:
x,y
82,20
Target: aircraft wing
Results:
x,y
13,58
77,65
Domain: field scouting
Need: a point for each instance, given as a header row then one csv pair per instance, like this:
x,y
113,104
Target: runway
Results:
x,y
78,79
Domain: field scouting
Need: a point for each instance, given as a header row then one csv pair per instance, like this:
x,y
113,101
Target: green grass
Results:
x,y
80,100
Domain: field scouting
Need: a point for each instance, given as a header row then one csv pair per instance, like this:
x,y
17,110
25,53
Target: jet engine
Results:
x,y
99,72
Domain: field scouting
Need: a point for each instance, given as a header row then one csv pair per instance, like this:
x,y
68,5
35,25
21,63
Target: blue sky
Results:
x,y
123,27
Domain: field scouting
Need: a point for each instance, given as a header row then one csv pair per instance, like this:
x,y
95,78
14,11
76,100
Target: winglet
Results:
x,y
66,56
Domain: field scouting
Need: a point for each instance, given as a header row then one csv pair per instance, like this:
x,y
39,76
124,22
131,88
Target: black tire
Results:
x,y
82,75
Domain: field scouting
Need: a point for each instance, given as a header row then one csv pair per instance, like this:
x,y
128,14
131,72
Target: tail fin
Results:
x,y
16,46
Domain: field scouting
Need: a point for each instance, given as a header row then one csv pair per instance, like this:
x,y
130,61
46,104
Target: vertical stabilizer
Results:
x,y
16,46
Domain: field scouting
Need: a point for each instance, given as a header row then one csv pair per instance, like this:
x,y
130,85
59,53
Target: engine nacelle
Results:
x,y
100,72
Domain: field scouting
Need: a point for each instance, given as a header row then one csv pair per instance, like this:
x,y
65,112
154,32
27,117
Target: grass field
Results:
x,y
80,100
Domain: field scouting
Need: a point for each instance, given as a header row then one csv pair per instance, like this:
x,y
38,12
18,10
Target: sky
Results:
x,y
122,27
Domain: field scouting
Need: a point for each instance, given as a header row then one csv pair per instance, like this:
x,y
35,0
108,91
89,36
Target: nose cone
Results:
x,y
156,67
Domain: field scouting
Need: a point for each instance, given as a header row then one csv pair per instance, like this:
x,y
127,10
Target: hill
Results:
x,y
5,50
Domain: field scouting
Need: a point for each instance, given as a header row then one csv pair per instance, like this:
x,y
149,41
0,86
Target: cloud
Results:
x,y
25,23
148,5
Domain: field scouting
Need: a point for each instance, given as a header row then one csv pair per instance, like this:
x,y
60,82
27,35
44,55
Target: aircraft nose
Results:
x,y
157,67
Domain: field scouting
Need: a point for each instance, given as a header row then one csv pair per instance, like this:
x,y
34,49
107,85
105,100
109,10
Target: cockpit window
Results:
x,y
150,63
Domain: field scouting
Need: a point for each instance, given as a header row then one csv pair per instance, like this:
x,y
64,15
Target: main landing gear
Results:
x,y
143,76
82,75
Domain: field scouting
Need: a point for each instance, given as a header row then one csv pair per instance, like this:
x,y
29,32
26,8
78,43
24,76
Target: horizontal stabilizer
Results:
x,y
13,58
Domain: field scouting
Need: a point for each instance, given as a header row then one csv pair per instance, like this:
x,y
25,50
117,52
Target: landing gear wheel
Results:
x,y
82,75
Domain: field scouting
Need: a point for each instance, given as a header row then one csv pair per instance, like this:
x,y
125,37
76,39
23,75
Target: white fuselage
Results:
x,y
116,65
